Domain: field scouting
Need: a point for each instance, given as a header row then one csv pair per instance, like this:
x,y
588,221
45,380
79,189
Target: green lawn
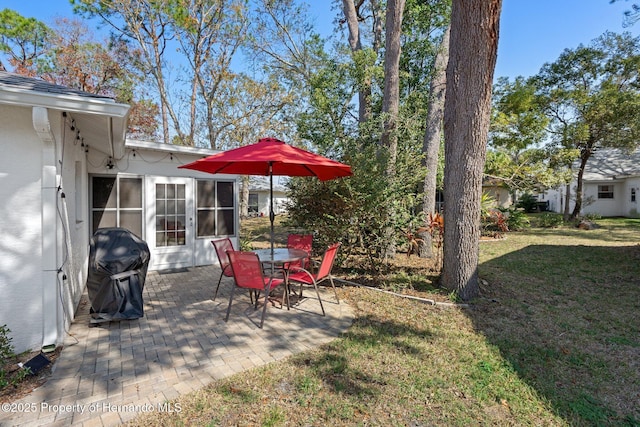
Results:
x,y
553,340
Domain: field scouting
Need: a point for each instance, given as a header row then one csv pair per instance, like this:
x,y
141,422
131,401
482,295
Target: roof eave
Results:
x,y
69,103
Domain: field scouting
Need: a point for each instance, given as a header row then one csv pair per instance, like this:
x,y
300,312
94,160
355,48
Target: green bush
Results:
x,y
6,353
517,219
6,349
593,216
528,202
550,220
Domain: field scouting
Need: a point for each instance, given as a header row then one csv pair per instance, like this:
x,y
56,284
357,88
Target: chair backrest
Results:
x,y
247,269
300,241
222,247
304,242
327,261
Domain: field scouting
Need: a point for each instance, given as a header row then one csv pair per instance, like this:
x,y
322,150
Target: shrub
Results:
x,y
494,223
6,353
550,220
528,202
517,219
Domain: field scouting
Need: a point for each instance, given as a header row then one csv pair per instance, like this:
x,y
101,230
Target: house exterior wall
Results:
x,y
279,201
73,224
604,207
500,195
45,217
618,168
154,166
43,269
21,282
632,197
554,199
621,204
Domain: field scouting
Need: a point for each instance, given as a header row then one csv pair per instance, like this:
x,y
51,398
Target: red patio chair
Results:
x,y
222,246
304,242
304,277
248,274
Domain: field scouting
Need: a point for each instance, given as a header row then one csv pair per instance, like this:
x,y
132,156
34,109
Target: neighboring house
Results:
x,y
67,170
259,195
498,191
611,185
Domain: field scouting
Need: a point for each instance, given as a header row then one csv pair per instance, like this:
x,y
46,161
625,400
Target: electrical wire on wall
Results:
x,y
63,215
111,163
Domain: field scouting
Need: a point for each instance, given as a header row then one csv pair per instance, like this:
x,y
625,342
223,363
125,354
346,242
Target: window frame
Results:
x,y
606,191
118,210
216,210
256,206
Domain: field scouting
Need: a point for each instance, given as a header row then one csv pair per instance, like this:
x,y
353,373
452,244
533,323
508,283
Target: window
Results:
x,y
633,195
216,208
117,202
605,191
253,203
170,215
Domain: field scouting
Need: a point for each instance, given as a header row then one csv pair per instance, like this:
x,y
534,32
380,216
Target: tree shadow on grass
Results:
x,y
356,377
567,319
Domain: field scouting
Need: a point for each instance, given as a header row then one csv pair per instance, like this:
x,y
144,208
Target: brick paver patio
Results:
x,y
107,374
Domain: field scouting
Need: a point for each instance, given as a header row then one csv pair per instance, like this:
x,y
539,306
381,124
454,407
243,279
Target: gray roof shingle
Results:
x,y
11,80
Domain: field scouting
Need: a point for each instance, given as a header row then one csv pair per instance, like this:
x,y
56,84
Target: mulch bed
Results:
x,y
11,392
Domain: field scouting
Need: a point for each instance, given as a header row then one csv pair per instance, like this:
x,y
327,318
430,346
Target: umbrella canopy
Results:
x,y
269,157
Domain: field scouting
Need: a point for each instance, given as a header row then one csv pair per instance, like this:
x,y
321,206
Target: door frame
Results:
x,y
176,256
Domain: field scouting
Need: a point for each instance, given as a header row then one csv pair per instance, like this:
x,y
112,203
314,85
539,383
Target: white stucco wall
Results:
x,y
38,302
20,227
73,224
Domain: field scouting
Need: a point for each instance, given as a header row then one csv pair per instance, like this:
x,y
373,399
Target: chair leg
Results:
x,y
255,295
315,285
334,288
230,300
264,309
286,294
218,286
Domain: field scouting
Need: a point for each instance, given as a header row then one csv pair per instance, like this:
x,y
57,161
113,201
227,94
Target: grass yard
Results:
x,y
553,340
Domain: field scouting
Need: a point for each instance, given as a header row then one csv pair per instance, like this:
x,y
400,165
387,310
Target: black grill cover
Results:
x,y
118,262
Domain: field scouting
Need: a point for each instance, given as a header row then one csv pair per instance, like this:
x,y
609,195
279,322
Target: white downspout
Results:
x,y
50,291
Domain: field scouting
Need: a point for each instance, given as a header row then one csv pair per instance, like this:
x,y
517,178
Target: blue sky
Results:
x,y
532,32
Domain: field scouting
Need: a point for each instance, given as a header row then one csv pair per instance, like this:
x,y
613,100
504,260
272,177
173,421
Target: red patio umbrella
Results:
x,y
269,157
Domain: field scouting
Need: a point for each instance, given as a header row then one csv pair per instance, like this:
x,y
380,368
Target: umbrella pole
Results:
x,y
272,215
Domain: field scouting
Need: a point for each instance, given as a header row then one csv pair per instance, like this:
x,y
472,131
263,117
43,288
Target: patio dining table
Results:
x,y
280,256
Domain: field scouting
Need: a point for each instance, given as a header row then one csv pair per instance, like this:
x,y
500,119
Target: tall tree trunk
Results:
x,y
472,60
364,94
391,104
433,137
566,213
577,207
376,11
244,196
